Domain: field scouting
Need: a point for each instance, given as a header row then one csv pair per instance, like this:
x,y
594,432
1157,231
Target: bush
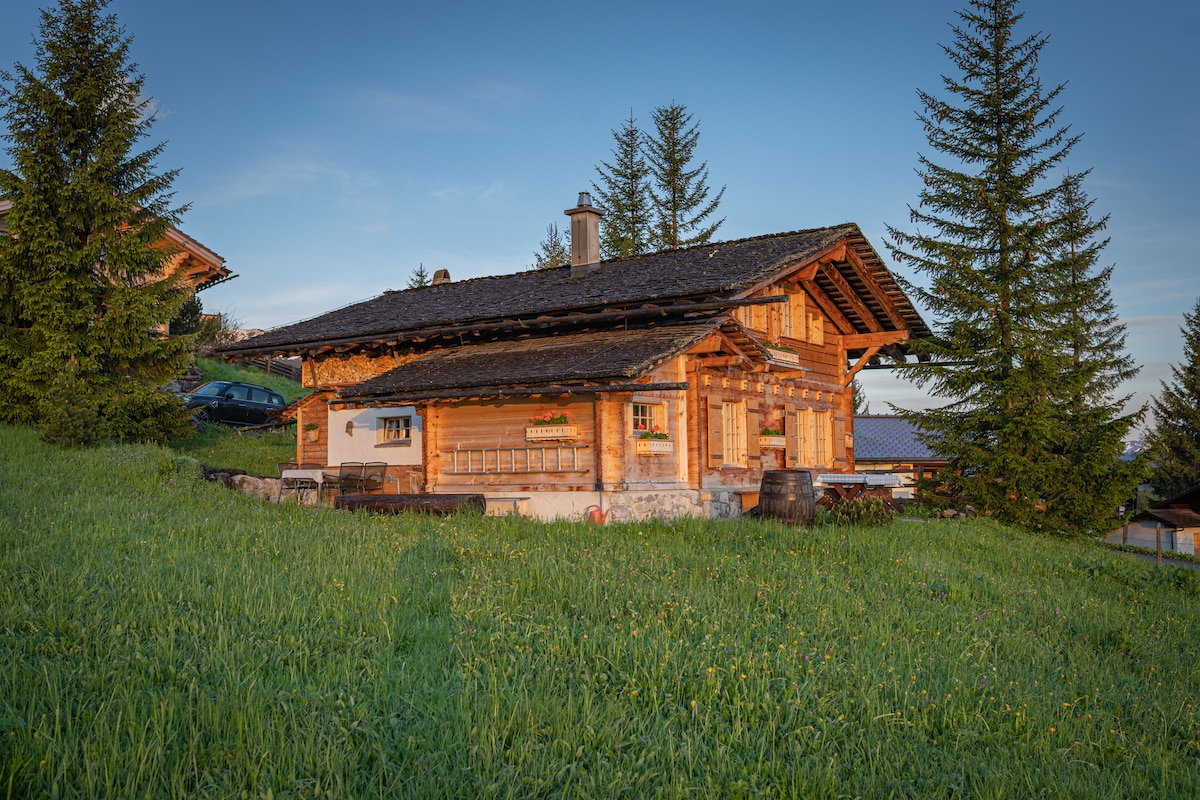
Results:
x,y
862,511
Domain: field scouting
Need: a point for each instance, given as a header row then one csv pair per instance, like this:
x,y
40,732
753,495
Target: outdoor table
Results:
x,y
843,487
305,479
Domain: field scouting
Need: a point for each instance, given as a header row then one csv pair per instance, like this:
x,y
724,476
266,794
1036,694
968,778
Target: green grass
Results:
x,y
162,637
256,452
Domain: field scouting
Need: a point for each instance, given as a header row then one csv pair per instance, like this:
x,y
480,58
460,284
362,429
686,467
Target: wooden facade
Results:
x,y
653,377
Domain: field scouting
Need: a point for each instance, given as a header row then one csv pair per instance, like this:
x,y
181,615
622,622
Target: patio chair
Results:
x,y
349,477
373,475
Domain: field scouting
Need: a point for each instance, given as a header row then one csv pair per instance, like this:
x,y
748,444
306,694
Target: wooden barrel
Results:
x,y
787,494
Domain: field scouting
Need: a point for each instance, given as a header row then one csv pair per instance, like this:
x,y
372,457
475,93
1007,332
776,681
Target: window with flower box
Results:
x,y
647,418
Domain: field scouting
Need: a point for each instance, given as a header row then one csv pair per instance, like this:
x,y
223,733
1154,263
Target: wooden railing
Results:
x,y
515,460
285,368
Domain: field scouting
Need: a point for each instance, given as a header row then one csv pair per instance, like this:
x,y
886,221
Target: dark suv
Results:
x,y
234,403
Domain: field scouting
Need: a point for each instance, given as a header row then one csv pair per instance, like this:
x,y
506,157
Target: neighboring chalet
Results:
x,y
885,443
198,267
1174,521
640,386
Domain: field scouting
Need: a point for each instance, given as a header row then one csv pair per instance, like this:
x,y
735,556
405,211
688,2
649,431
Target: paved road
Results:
x,y
1172,561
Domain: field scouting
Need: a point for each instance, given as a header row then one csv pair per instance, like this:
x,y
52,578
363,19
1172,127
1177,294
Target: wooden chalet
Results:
x,y
654,386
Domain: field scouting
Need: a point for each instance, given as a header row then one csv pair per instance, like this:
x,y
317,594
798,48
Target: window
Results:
x,y
733,421
646,417
395,431
816,329
758,318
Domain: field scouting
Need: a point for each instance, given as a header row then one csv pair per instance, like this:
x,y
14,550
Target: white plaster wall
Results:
x,y
1142,534
622,506
359,441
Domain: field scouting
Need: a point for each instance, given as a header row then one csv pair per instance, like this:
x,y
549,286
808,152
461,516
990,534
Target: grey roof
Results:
x,y
881,437
721,270
597,357
1175,517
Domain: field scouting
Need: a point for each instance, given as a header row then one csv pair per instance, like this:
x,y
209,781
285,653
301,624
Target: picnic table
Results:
x,y
304,480
842,487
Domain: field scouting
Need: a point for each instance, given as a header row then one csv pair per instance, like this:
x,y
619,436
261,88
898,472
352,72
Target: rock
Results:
x,y
264,488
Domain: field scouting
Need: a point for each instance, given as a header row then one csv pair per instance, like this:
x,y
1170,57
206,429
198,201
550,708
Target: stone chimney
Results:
x,y
585,235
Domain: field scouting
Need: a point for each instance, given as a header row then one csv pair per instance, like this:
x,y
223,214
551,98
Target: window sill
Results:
x,y
394,444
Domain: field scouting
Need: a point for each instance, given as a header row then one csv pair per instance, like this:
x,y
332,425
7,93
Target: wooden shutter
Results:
x,y
791,432
753,426
716,434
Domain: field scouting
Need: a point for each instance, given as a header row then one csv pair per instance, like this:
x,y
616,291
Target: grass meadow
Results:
x,y
163,637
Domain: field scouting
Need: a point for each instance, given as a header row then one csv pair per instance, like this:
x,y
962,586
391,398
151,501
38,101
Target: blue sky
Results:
x,y
327,150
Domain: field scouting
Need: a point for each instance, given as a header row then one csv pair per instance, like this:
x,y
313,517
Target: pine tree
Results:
x,y
1175,441
624,192
554,250
80,289
419,277
679,191
1028,385
1093,479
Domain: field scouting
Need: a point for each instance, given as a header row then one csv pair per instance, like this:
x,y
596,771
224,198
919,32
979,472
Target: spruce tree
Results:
x,y
1093,479
1175,441
624,192
420,277
81,297
679,190
1029,426
554,250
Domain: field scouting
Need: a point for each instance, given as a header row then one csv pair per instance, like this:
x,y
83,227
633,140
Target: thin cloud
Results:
x,y
286,177
457,192
417,113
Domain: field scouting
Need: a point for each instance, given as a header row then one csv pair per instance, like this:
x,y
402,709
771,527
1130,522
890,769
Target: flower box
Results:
x,y
783,356
772,442
655,447
551,433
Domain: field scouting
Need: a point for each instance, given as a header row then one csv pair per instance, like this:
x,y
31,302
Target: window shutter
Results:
x,y
791,432
716,434
753,426
799,317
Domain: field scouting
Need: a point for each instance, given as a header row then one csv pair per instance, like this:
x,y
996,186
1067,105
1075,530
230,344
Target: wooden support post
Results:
x,y
1158,541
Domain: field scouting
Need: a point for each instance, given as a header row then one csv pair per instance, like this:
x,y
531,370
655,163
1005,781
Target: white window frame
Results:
x,y
644,412
388,426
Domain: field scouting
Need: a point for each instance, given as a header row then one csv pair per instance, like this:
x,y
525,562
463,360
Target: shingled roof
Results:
x,y
584,359
881,437
723,270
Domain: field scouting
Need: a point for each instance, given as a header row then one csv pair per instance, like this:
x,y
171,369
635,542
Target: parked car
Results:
x,y
234,403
